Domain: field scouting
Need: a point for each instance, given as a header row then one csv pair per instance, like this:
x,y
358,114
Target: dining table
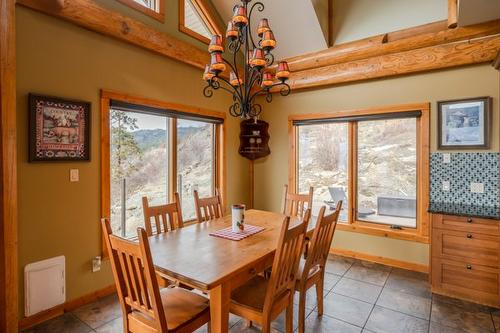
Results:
x,y
215,265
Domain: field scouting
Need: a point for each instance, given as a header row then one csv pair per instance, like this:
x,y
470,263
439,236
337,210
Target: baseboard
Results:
x,y
381,260
56,311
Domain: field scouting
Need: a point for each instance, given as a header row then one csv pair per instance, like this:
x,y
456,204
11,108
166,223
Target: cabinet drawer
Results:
x,y
467,224
463,246
480,282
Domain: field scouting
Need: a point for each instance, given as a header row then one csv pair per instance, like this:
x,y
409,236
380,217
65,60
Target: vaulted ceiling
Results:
x,y
294,23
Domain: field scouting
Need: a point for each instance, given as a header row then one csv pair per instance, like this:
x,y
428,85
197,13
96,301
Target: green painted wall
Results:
x,y
56,58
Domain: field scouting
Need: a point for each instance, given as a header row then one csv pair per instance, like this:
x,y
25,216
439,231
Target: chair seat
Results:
x,y
312,271
252,294
181,306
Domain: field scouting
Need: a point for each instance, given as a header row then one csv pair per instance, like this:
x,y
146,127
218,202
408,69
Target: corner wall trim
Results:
x,y
56,311
381,260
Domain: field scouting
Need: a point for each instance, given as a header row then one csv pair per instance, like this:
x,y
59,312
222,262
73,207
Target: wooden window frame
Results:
x,y
219,137
207,17
158,14
421,233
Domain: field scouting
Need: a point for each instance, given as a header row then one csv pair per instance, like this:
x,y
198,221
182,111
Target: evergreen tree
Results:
x,y
125,150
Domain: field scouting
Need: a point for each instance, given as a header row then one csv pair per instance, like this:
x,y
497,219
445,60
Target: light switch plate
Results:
x,y
74,175
477,187
446,158
446,185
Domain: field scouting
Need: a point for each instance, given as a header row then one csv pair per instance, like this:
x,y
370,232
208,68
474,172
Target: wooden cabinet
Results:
x,y
465,258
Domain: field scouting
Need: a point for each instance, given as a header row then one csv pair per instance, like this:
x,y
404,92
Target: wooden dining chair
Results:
x,y
146,308
165,217
208,208
312,269
261,300
294,204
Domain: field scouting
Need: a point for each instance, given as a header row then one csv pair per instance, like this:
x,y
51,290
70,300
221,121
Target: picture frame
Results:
x,y
59,129
464,123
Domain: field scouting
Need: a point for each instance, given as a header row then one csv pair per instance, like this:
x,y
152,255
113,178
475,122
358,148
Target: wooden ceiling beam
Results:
x,y
90,15
452,13
455,54
398,41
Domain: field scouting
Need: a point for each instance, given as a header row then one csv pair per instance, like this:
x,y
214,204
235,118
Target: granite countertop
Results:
x,y
487,212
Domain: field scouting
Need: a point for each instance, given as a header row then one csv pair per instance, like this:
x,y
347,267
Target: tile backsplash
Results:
x,y
462,170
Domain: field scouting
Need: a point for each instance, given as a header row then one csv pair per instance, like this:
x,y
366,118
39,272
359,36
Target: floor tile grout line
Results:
x,y
373,308
78,319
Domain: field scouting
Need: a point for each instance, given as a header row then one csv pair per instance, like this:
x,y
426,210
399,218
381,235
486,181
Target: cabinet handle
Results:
x,y
469,266
469,220
469,236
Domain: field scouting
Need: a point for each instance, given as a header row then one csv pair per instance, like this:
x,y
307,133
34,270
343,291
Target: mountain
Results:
x,y
149,138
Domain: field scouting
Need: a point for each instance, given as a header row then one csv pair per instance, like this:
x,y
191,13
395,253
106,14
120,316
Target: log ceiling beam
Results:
x,y
496,62
90,15
455,54
399,41
8,171
452,13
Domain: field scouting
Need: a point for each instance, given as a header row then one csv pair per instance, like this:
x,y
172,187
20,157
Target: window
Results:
x,y
196,20
375,161
153,8
150,150
195,162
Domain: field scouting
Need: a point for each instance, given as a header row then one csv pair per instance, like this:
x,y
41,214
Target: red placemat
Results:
x,y
227,233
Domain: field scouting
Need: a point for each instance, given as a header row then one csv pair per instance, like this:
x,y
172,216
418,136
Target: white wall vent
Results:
x,y
44,285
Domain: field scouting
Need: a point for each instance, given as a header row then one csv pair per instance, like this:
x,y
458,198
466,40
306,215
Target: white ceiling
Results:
x,y
477,11
294,23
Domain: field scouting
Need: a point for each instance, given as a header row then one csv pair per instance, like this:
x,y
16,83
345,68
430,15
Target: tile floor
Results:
x,y
359,297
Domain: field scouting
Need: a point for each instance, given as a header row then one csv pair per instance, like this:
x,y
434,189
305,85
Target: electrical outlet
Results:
x,y
446,185
477,187
74,175
96,264
446,158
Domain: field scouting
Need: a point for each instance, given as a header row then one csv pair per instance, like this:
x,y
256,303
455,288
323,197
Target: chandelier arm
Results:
x,y
260,8
256,76
235,62
230,85
252,97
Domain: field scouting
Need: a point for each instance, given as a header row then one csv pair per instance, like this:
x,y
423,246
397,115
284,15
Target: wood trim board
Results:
x,y
8,170
206,15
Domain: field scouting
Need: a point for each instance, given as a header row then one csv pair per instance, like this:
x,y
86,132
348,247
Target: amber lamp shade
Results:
x,y
217,65
283,72
215,44
268,41
240,18
267,79
232,31
234,80
263,27
258,59
208,75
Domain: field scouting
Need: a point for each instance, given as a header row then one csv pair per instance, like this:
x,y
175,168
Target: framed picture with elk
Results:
x,y
59,129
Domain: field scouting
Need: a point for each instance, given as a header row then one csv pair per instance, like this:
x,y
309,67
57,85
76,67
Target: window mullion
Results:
x,y
352,171
172,161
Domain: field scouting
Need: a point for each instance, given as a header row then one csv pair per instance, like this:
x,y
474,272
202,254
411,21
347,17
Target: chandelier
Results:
x,y
255,77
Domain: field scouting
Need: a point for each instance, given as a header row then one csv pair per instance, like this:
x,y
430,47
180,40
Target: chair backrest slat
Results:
x,y
321,240
286,259
135,276
295,205
208,208
165,217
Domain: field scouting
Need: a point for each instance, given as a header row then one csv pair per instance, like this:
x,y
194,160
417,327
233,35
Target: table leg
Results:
x,y
219,309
